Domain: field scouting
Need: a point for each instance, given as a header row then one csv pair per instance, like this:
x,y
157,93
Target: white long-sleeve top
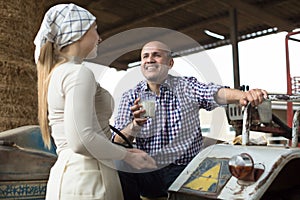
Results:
x,y
79,112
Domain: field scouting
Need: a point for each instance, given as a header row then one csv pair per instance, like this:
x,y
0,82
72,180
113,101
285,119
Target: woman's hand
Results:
x,y
139,159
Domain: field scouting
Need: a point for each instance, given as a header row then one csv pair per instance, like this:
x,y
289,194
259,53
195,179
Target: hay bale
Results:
x,y
20,20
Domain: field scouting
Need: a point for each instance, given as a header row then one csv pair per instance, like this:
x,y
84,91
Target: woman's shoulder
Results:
x,y
70,75
69,69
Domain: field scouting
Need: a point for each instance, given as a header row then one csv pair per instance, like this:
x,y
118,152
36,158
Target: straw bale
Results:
x,y
20,20
18,94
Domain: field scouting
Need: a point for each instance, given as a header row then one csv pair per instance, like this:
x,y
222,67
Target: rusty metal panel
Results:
x,y
208,178
23,189
212,159
24,164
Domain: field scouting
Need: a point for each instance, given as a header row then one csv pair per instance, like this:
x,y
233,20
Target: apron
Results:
x,y
77,177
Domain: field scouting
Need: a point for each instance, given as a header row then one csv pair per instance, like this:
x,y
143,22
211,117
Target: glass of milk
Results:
x,y
148,103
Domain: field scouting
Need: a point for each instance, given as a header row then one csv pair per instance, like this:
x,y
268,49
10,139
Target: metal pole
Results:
x,y
295,129
235,51
289,111
246,125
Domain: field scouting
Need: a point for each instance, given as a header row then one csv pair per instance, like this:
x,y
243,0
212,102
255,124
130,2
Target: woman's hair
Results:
x,y
55,34
46,63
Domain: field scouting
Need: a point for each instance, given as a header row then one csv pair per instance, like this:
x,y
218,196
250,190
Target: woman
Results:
x,y
75,110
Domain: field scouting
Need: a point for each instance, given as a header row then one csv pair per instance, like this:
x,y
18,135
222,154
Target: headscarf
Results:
x,y
62,25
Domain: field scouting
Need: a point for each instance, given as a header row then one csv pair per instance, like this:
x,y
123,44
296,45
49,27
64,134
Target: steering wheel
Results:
x,y
127,144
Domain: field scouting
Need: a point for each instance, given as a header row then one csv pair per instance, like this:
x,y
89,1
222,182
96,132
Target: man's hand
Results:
x,y
137,111
253,96
229,95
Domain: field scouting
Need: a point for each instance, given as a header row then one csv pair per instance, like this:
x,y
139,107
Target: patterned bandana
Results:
x,y
63,24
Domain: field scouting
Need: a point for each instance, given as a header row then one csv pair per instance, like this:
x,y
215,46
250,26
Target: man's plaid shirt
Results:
x,y
174,134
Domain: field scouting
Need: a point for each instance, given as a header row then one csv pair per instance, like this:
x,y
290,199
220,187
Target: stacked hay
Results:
x,y
20,20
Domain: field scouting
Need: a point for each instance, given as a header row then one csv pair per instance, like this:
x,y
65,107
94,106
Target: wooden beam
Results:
x,y
162,11
202,23
260,15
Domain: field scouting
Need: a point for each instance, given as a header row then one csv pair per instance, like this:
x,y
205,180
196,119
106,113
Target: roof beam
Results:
x,y
260,14
205,22
162,11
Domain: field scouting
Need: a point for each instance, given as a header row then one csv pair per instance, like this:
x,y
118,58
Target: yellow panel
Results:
x,y
206,180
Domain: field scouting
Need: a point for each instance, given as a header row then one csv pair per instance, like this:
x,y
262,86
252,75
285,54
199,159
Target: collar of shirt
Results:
x,y
165,86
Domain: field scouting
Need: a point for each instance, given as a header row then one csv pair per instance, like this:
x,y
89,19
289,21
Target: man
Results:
x,y
173,137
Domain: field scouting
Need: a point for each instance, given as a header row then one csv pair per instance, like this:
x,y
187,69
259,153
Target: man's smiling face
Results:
x,y
156,61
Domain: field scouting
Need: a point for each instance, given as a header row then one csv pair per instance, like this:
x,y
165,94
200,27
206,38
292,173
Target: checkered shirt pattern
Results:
x,y
63,24
174,134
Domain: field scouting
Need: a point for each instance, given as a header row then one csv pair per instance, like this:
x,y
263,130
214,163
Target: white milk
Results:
x,y
149,106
